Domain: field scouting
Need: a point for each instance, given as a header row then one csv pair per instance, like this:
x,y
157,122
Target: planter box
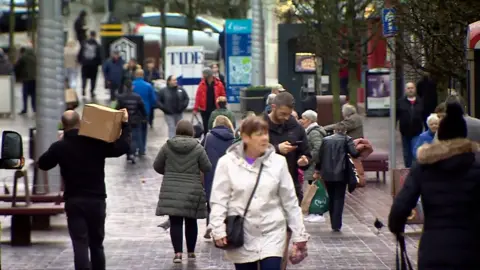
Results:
x,y
253,99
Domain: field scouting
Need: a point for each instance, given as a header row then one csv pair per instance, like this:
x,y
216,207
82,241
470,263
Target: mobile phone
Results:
x,y
297,143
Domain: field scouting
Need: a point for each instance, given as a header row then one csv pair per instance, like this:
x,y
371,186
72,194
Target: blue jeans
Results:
x,y
407,146
270,263
172,121
143,139
136,140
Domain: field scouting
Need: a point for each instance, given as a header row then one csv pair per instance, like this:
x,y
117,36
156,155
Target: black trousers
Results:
x,y
152,116
86,225
176,233
336,193
89,73
114,90
29,90
205,117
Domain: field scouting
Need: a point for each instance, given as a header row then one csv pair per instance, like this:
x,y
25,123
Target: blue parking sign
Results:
x,y
388,22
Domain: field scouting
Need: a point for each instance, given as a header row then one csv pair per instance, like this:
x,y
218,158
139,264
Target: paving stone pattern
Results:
x,y
133,240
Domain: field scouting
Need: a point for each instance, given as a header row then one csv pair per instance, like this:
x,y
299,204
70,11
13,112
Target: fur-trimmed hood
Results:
x,y
442,150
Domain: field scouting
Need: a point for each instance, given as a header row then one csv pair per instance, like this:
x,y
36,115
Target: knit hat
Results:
x,y
453,125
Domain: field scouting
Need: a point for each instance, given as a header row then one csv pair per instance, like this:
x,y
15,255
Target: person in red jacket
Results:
x,y
209,89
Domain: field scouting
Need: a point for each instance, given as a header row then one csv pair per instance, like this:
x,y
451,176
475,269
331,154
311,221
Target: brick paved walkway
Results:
x,y
133,240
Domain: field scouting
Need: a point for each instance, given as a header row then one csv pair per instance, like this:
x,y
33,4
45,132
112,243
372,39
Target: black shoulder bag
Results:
x,y
351,174
234,224
402,261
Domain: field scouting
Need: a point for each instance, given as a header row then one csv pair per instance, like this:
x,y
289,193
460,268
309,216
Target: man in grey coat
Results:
x,y
352,121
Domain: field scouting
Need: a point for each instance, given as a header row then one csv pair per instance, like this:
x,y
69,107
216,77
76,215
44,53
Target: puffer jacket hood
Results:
x,y
223,133
182,144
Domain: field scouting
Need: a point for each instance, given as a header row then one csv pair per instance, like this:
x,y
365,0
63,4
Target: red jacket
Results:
x,y
201,96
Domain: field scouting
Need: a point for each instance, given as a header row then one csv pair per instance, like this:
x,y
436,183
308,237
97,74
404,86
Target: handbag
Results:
x,y
197,127
402,261
234,224
350,171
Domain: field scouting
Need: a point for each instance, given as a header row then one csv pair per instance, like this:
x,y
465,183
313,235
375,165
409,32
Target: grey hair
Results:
x,y
348,110
270,99
208,72
432,117
310,115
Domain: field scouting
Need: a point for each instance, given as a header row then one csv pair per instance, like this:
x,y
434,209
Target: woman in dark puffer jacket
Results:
x,y
216,143
447,179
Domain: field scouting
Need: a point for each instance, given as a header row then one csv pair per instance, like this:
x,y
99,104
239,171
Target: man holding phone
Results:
x,y
288,137
290,140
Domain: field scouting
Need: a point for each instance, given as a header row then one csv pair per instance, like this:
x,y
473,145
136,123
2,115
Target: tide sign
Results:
x,y
187,64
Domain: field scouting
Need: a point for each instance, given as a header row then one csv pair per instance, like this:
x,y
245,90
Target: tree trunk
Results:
x,y
335,84
191,21
32,19
353,55
11,33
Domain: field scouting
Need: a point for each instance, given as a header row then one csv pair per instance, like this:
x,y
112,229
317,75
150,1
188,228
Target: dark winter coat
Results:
x,y
79,27
172,100
216,143
180,160
26,66
113,71
151,75
135,107
290,131
410,117
90,54
447,179
427,91
315,135
333,154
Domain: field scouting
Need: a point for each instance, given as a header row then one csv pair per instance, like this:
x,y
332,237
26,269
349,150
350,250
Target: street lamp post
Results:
x,y
50,86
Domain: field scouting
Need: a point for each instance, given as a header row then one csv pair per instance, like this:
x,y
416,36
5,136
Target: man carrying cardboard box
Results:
x,y
82,167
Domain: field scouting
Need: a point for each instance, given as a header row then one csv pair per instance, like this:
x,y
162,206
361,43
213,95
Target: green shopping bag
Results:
x,y
319,204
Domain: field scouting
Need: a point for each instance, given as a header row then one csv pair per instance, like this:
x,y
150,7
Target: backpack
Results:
x,y
89,51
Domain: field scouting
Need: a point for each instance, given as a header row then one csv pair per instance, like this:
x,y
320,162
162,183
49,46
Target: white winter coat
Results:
x,y
273,206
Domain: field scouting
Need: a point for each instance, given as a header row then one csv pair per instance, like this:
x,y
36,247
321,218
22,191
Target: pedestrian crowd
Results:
x,y
256,183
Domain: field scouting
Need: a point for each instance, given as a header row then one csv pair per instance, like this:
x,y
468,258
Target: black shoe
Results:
x,y
208,234
22,112
192,256
336,230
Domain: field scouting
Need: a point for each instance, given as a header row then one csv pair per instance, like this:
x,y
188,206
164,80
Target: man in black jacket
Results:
x,y
172,100
410,118
288,137
90,57
133,103
82,167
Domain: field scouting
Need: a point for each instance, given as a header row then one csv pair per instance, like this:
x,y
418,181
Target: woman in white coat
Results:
x,y
274,203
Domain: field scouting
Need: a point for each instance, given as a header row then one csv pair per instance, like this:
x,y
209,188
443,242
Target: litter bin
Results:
x,y
252,99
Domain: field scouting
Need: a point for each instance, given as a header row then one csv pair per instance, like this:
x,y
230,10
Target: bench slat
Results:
x,y
33,209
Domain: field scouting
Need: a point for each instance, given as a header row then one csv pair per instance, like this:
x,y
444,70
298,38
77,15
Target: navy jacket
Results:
x,y
216,143
113,71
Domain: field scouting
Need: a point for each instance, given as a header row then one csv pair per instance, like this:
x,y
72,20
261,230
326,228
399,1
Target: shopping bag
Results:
x,y
113,104
71,99
308,197
197,126
319,203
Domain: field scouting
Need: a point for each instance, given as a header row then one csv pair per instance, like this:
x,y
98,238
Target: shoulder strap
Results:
x,y
253,192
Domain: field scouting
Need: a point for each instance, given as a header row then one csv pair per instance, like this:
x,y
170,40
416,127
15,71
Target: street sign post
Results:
x,y
389,31
238,59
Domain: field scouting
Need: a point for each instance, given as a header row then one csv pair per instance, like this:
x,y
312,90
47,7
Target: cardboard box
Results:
x,y
100,122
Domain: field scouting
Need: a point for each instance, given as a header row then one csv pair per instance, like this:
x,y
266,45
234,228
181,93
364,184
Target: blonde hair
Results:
x,y
222,120
221,99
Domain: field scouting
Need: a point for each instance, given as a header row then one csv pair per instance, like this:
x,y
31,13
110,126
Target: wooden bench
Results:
x,y
24,215
377,162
